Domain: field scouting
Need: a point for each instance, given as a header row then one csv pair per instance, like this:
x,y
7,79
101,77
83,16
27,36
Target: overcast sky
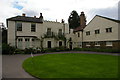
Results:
x,y
58,9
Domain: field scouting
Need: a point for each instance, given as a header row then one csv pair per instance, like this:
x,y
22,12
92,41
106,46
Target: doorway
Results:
x,y
49,44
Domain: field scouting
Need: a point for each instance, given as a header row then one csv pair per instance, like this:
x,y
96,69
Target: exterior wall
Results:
x,y
115,45
11,33
102,24
76,41
41,29
119,31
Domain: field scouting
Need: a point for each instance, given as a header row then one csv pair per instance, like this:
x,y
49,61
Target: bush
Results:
x,y
7,49
97,50
56,49
19,51
29,51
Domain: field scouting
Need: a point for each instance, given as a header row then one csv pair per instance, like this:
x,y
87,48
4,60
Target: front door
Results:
x,y
70,45
49,44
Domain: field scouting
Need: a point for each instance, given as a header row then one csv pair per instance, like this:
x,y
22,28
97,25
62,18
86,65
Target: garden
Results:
x,y
72,65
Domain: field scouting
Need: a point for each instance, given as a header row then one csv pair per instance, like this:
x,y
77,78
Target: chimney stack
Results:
x,y
62,21
82,20
41,17
23,14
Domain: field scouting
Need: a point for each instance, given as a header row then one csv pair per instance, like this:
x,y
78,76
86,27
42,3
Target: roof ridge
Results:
x,y
109,18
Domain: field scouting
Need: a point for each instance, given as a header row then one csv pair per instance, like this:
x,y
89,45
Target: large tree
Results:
x,y
74,20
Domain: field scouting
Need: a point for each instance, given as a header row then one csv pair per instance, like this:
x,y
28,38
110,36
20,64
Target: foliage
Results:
x,y
19,51
56,49
29,51
74,20
97,50
4,36
72,65
7,49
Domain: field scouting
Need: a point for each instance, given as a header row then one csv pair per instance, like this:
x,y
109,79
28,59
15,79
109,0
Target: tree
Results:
x,y
73,20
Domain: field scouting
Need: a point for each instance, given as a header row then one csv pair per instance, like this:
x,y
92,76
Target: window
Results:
x,y
33,27
20,39
19,43
26,39
97,43
49,33
88,33
87,44
33,39
97,31
27,43
108,30
19,26
108,43
78,34
60,32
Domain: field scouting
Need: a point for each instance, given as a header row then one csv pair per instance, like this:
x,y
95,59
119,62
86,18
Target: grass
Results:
x,y
72,65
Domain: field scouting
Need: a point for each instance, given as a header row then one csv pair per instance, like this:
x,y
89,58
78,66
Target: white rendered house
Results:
x,y
25,32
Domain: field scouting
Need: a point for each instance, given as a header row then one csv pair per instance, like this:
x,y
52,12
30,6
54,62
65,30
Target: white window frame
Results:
x,y
109,43
97,43
88,44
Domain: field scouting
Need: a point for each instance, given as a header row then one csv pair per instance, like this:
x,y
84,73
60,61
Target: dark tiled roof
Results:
x,y
118,21
25,19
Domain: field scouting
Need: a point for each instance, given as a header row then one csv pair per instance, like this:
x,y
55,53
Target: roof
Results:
x,y
78,29
118,21
25,19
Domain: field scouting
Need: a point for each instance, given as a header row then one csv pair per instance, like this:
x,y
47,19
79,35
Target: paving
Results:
x,y
12,64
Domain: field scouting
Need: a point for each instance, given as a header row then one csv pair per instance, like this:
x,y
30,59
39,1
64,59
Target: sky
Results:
x,y
53,10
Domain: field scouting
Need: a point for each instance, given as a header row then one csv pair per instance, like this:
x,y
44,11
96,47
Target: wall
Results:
x,y
41,29
102,24
11,33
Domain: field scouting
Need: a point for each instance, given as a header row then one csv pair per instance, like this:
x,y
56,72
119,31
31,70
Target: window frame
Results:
x,y
109,30
87,33
97,43
19,26
97,31
49,31
60,32
33,27
109,43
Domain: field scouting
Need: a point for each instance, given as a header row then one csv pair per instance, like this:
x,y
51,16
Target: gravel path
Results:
x,y
12,64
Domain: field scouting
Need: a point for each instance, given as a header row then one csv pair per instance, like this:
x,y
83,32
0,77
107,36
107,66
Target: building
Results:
x,y
102,32
76,35
25,32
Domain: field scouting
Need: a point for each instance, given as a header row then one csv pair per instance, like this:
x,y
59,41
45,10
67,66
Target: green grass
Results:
x,y
72,65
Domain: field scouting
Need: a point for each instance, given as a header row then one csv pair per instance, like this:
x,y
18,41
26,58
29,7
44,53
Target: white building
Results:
x,y
25,32
100,32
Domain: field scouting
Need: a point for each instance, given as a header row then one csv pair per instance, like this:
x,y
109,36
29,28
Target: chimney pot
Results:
x,y
23,14
34,16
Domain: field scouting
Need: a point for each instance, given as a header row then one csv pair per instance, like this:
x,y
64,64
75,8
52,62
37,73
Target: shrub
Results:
x,y
97,50
7,49
29,50
19,51
56,49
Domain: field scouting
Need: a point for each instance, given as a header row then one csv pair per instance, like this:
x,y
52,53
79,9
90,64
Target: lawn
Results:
x,y
72,65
